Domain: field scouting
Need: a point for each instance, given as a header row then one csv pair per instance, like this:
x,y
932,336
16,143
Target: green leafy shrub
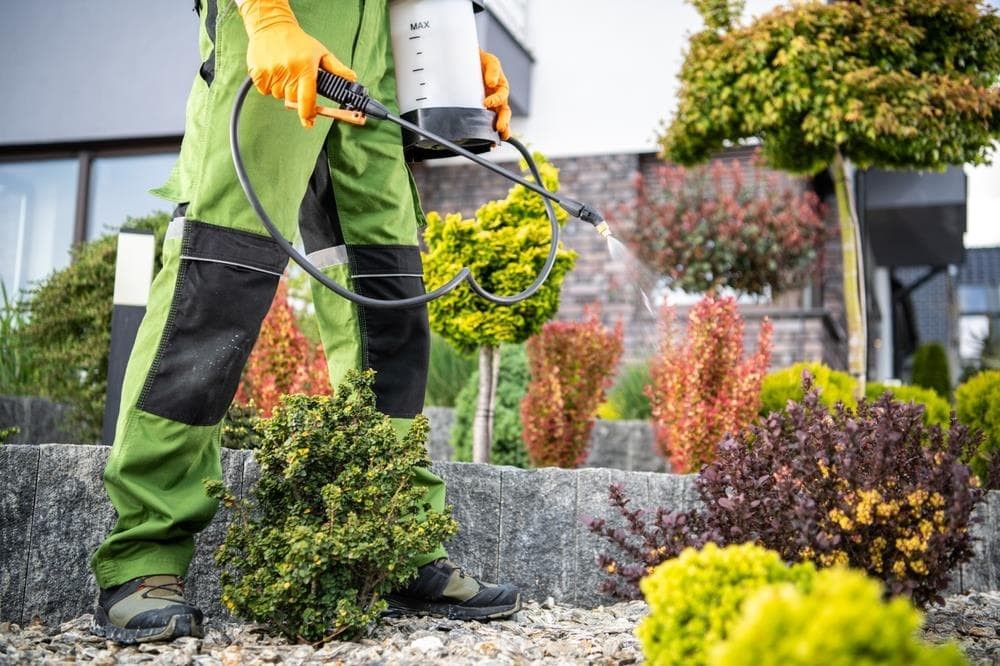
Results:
x,y
571,365
17,365
336,519
840,621
447,373
508,445
68,334
977,404
937,411
784,385
240,427
695,599
930,368
703,388
627,397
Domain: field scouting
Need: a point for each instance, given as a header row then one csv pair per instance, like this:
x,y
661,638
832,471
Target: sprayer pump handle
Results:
x,y
349,94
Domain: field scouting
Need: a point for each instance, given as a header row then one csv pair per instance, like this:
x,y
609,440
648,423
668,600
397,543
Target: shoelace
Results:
x,y
176,588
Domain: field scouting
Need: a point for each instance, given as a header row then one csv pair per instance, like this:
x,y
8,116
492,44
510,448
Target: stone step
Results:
x,y
522,526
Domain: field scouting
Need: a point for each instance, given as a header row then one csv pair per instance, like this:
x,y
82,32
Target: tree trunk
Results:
x,y
482,424
854,276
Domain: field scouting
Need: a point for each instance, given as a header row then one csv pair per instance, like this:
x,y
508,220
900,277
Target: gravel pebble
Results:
x,y
542,633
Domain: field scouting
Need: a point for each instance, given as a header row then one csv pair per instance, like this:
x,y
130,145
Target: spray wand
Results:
x,y
356,106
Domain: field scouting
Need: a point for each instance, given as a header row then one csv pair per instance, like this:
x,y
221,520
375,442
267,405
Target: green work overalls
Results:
x,y
348,192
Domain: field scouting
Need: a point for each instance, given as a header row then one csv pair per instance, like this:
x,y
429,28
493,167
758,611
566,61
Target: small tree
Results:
x,y
908,84
504,246
571,368
720,226
283,361
703,389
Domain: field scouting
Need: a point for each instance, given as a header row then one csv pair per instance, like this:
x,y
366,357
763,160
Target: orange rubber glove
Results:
x,y
497,91
283,59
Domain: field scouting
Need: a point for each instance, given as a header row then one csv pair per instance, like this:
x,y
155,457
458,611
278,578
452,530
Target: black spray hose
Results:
x,y
353,96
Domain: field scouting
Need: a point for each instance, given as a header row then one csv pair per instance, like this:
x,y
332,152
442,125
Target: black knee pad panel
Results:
x,y
225,283
395,343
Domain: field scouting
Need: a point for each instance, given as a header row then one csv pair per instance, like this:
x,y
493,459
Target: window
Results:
x,y
119,189
37,219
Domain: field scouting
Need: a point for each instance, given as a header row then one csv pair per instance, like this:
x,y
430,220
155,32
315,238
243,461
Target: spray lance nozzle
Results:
x,y
583,212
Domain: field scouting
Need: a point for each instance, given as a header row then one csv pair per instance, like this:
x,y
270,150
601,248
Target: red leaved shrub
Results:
x,y
703,389
723,226
571,365
283,361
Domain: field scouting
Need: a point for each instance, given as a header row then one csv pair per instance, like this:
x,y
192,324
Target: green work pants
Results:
x,y
349,194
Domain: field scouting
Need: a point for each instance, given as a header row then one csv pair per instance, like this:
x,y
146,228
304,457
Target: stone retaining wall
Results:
x,y
522,526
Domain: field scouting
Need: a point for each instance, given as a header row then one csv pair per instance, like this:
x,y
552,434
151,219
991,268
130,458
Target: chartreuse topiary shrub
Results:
x,y
505,247
508,445
68,333
930,368
335,518
977,403
695,599
785,384
937,411
876,489
841,620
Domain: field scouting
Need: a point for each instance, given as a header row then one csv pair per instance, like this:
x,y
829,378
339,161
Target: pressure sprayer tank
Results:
x,y
439,83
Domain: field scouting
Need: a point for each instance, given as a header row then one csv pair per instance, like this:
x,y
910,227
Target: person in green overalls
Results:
x,y
349,193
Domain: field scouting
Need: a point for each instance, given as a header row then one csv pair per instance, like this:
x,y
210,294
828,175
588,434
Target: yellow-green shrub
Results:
x,y
785,384
977,403
841,621
695,598
937,411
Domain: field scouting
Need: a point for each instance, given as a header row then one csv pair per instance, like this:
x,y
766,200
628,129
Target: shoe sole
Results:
x,y
401,607
177,627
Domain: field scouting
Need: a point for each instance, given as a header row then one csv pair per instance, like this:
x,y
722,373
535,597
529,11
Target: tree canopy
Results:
x,y
888,83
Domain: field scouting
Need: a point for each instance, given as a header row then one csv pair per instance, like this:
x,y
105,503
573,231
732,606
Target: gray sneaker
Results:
x,y
445,590
149,608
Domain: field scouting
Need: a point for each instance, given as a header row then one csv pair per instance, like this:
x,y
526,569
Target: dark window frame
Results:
x,y
85,152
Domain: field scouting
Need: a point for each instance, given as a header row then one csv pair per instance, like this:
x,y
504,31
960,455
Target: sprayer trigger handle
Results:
x,y
345,115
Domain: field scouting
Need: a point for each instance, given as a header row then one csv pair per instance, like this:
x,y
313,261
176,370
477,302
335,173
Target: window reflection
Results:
x,y
119,189
37,204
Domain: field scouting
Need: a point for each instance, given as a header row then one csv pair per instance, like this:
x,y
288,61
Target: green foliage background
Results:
x,y
68,333
505,246
508,445
977,403
930,368
937,411
785,384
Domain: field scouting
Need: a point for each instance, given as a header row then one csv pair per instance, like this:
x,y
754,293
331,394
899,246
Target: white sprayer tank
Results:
x,y
439,83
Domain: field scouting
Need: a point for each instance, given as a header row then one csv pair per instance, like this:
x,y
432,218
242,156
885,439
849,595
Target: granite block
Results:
x,y
19,470
473,491
538,532
672,491
592,502
72,515
439,438
202,582
982,572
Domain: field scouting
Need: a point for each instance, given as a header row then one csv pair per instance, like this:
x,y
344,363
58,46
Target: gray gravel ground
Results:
x,y
540,634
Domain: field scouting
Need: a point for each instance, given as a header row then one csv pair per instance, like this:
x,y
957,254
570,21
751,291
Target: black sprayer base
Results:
x,y
472,129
